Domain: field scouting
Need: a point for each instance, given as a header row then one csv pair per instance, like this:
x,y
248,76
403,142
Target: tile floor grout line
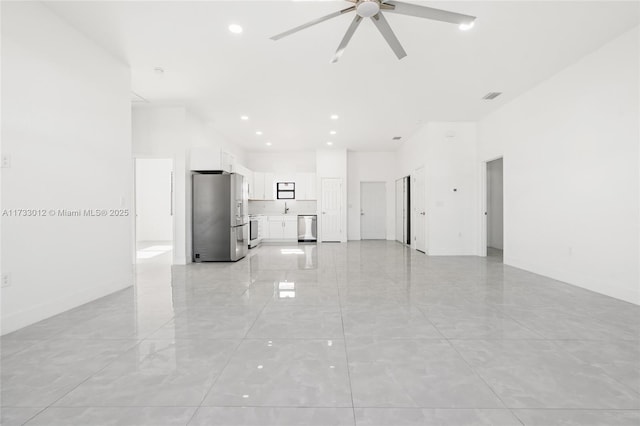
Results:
x,y
346,351
354,263
531,329
418,407
213,383
481,378
573,356
637,392
86,379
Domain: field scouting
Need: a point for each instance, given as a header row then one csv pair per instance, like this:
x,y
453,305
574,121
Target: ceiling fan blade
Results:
x,y
314,22
347,38
386,31
428,12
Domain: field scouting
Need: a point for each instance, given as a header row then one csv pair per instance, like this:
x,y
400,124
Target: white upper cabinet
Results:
x,y
251,180
228,162
269,186
258,186
208,158
205,158
263,184
310,183
305,186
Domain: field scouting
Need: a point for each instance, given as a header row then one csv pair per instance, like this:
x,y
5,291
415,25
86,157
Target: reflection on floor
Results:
x,y
154,251
367,333
495,254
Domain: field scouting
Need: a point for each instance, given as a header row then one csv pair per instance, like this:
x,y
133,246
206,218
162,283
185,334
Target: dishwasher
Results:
x,y
307,228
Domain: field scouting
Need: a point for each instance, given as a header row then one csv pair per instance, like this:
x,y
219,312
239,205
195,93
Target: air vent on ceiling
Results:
x,y
491,95
135,98
397,138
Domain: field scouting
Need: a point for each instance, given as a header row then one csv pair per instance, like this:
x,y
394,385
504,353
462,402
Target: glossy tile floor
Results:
x,y
366,333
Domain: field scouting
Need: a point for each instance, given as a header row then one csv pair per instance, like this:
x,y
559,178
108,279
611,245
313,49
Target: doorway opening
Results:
x,y
403,210
373,211
154,210
495,209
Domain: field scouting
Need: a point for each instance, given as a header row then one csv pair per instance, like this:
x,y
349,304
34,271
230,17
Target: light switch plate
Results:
x,y
6,280
6,161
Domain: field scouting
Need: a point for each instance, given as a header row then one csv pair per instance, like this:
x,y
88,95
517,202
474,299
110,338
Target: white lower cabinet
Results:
x,y
274,230
290,228
282,228
263,232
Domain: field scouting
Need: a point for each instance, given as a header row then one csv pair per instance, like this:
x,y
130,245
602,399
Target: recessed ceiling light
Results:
x,y
259,133
333,132
235,28
334,116
329,143
244,117
467,26
268,144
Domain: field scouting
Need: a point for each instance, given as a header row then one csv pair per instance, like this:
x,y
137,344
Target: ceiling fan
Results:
x,y
373,9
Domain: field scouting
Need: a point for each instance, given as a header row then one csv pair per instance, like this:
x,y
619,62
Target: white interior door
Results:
x,y
331,203
419,211
373,211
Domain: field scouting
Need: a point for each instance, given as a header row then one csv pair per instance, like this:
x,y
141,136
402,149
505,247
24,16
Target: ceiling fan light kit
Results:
x,y
368,8
373,9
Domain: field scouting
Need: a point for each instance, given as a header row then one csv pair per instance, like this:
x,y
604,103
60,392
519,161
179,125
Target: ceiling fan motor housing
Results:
x,y
368,8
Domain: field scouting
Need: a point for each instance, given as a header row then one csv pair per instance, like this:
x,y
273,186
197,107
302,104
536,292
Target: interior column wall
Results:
x,y
447,150
66,125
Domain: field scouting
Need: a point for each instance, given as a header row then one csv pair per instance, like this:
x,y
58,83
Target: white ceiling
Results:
x,y
289,89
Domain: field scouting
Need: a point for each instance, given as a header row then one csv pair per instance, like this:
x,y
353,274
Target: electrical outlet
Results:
x,y
6,280
6,161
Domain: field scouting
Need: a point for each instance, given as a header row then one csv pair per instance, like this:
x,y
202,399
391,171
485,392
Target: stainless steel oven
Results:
x,y
254,231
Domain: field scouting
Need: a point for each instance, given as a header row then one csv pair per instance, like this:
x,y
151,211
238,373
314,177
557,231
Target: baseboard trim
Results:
x,y
34,314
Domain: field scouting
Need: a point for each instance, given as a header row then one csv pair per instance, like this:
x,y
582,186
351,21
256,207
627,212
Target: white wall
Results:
x,y
154,221
332,164
66,123
370,167
571,166
282,162
495,204
448,153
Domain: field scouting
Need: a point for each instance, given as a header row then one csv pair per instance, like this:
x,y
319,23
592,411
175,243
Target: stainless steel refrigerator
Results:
x,y
220,216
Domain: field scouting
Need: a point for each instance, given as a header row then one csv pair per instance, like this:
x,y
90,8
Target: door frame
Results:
x,y
384,207
483,216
